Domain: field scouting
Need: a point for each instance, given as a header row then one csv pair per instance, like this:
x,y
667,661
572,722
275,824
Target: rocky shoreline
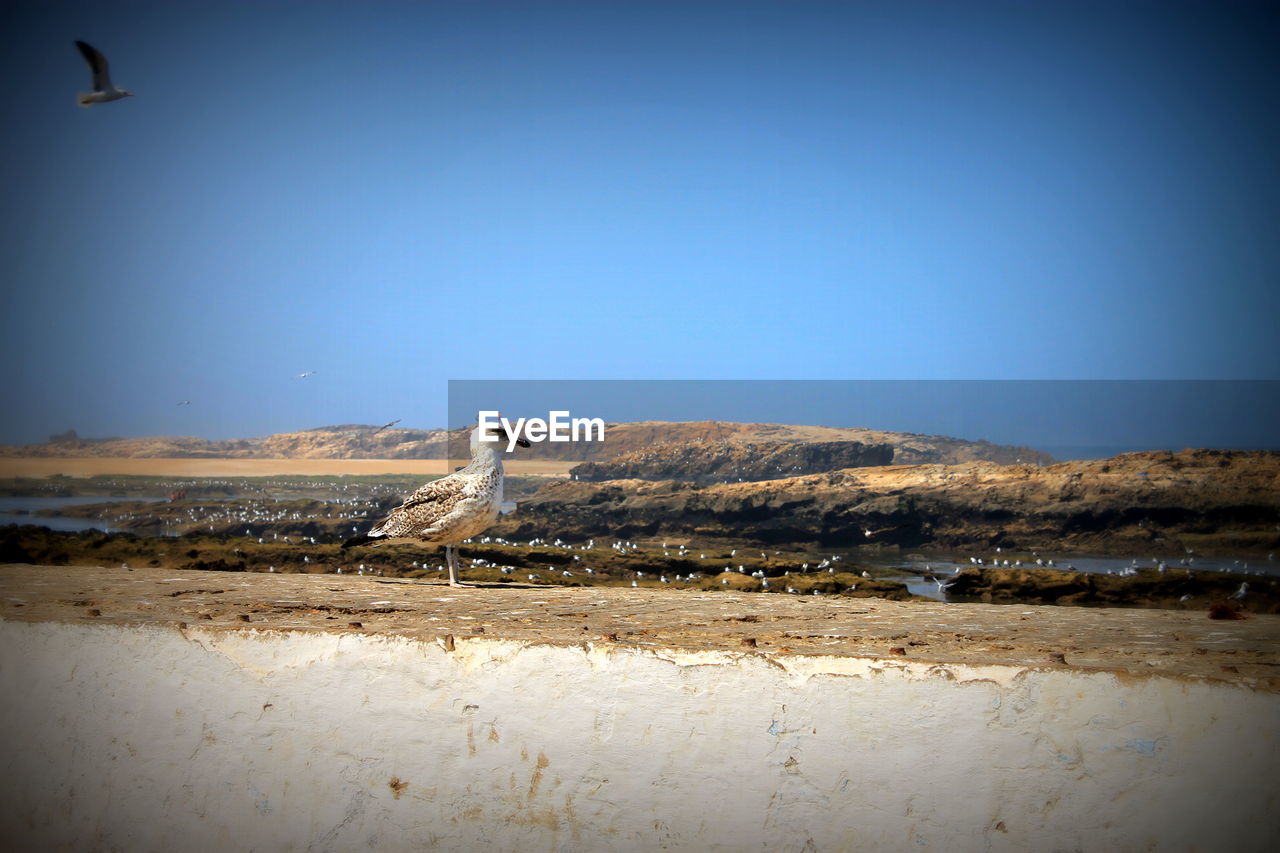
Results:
x,y
1208,500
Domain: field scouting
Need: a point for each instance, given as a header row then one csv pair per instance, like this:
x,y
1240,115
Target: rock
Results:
x,y
1137,502
1146,588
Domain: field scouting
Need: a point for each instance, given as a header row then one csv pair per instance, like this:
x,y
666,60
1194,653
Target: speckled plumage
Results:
x,y
450,509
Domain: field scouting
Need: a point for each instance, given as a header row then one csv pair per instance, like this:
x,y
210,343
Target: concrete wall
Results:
x,y
143,738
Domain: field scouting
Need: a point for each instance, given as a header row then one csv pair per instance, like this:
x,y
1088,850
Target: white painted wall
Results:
x,y
140,739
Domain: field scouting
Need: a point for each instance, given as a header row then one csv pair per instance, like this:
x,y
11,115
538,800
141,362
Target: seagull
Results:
x,y
385,426
943,585
185,403
453,508
304,374
103,90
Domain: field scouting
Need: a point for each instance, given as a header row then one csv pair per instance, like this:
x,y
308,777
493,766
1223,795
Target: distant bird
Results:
x,y
453,508
1240,593
304,374
943,585
103,90
385,426
184,403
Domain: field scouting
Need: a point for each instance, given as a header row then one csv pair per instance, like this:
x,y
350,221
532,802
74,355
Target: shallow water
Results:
x,y
944,567
1102,565
11,512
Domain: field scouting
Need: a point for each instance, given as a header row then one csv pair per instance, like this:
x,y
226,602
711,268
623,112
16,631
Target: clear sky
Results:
x,y
394,195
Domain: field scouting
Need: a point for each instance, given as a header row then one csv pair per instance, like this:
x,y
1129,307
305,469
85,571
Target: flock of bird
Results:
x,y
358,508
219,516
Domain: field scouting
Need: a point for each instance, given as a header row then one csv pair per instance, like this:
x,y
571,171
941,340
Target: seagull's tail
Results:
x,y
356,541
84,100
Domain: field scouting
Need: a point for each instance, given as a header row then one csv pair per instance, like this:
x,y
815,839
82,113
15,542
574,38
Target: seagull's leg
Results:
x,y
451,557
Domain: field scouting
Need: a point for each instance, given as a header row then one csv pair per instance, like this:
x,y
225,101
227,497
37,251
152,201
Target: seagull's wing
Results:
x,y
422,509
445,490
97,64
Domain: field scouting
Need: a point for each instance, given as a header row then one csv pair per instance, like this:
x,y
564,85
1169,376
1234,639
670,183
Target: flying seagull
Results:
x,y
451,509
185,403
304,374
385,426
103,89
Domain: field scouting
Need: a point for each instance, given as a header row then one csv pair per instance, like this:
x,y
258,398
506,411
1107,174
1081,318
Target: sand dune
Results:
x,y
95,465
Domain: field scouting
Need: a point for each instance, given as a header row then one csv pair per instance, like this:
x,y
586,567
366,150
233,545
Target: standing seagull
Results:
x,y
450,509
103,90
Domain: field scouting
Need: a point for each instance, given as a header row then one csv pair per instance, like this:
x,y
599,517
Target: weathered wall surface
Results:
x,y
154,738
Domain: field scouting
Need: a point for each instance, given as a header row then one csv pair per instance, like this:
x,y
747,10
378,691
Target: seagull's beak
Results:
x,y
506,436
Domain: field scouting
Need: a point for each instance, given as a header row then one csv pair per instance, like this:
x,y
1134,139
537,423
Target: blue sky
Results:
x,y
394,195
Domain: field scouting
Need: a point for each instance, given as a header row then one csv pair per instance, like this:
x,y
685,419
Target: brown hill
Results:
x,y
734,462
357,441
351,441
908,448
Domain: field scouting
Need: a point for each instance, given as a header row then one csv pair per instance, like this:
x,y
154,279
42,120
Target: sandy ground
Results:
x,y
1126,642
95,465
